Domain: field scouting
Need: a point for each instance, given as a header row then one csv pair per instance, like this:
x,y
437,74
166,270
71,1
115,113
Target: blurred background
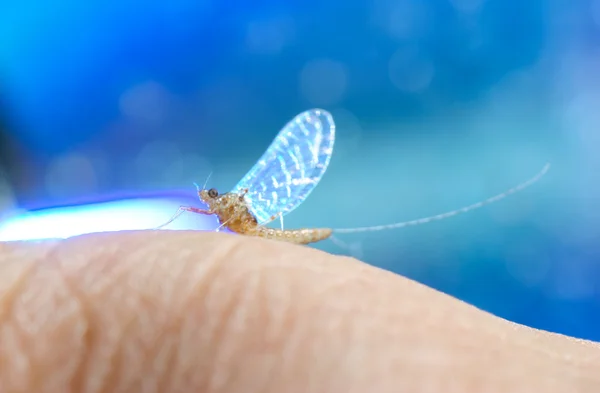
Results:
x,y
109,111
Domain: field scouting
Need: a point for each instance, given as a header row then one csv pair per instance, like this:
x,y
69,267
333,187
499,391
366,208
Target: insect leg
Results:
x,y
237,211
180,211
243,193
354,249
222,225
274,216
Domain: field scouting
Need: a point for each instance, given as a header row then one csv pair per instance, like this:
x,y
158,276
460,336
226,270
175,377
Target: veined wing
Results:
x,y
291,167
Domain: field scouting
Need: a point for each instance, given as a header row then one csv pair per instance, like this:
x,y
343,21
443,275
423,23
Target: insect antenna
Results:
x,y
205,183
442,216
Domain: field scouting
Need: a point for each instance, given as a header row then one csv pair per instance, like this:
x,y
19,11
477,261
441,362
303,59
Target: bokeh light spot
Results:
x,y
323,81
410,71
70,175
146,103
269,36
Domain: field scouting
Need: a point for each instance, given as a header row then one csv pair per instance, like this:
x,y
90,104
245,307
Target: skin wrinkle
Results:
x,y
195,313
19,275
18,271
163,317
222,305
96,372
164,364
35,321
114,358
205,273
167,294
340,326
280,311
174,293
238,300
248,315
471,311
463,328
355,331
341,331
220,302
274,304
227,342
339,320
297,328
162,360
88,337
266,349
162,308
270,333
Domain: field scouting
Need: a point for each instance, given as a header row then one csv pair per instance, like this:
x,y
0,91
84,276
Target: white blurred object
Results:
x,y
64,222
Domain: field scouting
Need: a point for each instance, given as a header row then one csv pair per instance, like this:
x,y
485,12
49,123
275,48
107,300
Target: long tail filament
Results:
x,y
442,216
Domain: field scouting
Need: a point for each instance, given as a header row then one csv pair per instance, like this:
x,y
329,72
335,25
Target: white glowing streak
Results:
x,y
71,221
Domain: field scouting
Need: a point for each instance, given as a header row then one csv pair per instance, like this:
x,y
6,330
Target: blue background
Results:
x,y
438,103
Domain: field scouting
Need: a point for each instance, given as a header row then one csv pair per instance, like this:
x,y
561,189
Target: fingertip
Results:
x,y
189,311
104,304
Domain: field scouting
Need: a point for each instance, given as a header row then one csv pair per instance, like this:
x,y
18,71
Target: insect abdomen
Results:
x,y
297,236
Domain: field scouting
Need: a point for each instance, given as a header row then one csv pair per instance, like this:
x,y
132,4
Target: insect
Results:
x,y
285,175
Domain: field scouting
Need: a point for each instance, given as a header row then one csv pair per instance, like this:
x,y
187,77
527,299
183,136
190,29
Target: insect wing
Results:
x,y
291,167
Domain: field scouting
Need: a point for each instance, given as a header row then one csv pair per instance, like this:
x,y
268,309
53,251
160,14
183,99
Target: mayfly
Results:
x,y
283,178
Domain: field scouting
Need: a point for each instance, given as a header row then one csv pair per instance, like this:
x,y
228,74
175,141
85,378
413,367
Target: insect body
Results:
x,y
236,216
285,175
278,183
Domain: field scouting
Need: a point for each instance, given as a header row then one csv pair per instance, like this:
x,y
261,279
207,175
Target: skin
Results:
x,y
213,312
